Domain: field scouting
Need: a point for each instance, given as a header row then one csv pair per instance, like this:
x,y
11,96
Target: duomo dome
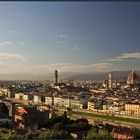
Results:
x,y
133,78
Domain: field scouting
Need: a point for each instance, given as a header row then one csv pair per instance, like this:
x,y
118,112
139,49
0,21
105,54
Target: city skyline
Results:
x,y
39,37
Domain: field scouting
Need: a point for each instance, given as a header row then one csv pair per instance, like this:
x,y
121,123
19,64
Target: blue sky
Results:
x,y
39,37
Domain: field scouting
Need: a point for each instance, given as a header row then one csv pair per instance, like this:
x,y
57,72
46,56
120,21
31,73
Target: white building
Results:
x,y
75,104
110,80
27,97
4,91
19,96
48,100
37,98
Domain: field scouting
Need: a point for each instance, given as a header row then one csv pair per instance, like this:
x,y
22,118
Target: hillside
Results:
x,y
117,75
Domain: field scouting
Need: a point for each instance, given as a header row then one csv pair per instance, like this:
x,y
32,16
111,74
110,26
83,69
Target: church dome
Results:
x,y
133,78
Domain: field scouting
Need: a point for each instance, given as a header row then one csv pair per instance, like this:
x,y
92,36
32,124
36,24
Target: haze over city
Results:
x,y
39,37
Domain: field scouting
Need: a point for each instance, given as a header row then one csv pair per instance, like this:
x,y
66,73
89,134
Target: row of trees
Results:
x,y
95,133
64,123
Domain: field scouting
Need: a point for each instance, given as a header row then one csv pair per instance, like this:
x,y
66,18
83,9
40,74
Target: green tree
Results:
x,y
65,115
42,99
137,136
104,136
55,134
31,135
15,136
4,110
53,115
93,134
64,119
59,126
108,128
7,136
69,110
95,129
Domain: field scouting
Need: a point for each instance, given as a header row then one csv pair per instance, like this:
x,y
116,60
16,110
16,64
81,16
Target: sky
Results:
x,y
39,37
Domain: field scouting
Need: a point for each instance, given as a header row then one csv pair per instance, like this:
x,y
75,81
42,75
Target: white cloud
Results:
x,y
69,67
64,36
76,48
11,32
5,43
129,55
125,56
114,60
102,65
22,43
4,55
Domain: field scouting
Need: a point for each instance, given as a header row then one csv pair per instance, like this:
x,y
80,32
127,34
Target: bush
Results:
x,y
4,109
55,134
59,126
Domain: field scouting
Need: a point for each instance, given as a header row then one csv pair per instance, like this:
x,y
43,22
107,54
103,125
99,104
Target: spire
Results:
x,y
133,71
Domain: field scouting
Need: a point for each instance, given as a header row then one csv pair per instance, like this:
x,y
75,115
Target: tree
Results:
x,y
108,128
59,126
82,120
55,134
95,129
64,119
4,110
91,135
94,134
53,115
42,99
6,125
65,115
137,136
31,135
8,135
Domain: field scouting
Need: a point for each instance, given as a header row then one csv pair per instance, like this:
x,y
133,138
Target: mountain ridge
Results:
x,y
117,75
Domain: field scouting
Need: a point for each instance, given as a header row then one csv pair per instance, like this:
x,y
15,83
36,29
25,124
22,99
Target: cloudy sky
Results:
x,y
39,37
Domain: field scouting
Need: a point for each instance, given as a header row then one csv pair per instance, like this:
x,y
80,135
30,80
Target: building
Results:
x,y
49,100
57,101
19,96
27,97
94,106
4,91
38,98
11,94
90,105
115,109
125,133
75,104
110,83
110,80
132,109
133,79
43,107
31,117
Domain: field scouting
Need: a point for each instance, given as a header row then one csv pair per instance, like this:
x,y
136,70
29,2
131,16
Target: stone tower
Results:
x,y
55,76
110,80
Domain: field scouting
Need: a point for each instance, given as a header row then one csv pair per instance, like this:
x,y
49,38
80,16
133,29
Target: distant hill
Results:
x,y
117,75
16,76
